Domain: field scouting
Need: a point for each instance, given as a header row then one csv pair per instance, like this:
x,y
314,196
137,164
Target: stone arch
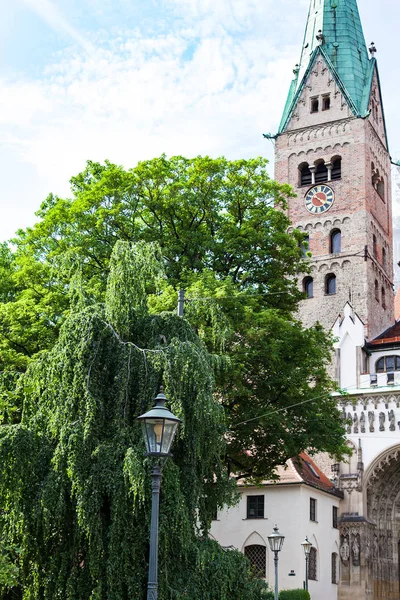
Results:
x,y
254,539
382,500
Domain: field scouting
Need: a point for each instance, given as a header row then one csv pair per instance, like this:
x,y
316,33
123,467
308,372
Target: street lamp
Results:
x,y
275,543
307,545
159,427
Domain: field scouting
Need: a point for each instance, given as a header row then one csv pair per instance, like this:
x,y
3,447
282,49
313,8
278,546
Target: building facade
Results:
x,y
304,502
332,147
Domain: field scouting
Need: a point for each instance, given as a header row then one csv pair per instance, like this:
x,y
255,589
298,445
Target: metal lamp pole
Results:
x,y
275,543
159,429
307,545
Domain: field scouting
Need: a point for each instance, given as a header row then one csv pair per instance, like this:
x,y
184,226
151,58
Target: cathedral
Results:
x,y
332,147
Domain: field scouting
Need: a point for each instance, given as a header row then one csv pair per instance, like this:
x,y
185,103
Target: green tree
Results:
x,y
74,486
222,229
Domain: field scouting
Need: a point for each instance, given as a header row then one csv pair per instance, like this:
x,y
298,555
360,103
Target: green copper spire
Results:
x,y
334,29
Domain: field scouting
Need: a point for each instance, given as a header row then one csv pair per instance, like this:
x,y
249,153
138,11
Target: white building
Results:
x,y
303,503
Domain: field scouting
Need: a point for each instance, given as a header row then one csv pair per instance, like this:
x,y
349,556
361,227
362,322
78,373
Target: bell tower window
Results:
x,y
314,105
336,169
321,173
305,174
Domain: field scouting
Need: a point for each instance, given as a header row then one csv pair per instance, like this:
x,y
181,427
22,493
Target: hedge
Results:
x,y
294,595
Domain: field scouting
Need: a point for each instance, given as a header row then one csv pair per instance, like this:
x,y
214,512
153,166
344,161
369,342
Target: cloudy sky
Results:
x,y
130,79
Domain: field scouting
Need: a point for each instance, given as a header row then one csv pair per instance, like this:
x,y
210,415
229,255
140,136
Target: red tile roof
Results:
x,y
302,469
389,336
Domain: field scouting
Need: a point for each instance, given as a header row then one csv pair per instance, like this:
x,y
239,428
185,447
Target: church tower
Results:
x,y
332,148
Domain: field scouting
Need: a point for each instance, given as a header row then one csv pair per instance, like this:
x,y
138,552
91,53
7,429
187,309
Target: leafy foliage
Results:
x,y
221,227
74,486
294,595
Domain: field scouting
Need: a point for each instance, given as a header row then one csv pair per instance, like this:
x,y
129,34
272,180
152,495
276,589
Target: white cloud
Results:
x,y
137,97
210,81
53,16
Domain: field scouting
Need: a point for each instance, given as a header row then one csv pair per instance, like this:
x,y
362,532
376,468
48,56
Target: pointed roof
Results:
x,y
343,47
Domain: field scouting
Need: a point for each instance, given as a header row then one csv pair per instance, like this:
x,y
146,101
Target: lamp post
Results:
x,y
159,428
307,545
275,543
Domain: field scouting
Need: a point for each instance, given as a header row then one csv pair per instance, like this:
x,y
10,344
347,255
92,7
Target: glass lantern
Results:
x,y
307,545
276,540
159,428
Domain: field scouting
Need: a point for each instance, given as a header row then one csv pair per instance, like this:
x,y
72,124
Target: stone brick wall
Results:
x,y
358,211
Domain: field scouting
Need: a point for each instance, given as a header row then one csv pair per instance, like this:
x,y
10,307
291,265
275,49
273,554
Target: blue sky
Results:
x,y
127,80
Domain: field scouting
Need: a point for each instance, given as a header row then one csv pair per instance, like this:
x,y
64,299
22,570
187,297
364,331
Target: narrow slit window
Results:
x,y
336,241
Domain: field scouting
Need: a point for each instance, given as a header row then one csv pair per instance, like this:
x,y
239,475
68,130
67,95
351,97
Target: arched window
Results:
x,y
330,284
308,287
380,188
334,568
257,556
383,297
305,174
305,245
384,258
387,364
374,246
312,565
336,241
336,169
321,173
376,291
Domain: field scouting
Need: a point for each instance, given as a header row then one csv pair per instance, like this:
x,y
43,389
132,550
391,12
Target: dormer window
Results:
x,y
314,104
326,102
387,364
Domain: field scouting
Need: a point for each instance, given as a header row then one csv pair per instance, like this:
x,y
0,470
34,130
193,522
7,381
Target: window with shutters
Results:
x,y
257,556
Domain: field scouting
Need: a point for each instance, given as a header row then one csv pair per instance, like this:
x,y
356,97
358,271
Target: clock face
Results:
x,y
319,199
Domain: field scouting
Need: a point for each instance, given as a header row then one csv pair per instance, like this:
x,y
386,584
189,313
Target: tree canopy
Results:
x,y
74,485
222,231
